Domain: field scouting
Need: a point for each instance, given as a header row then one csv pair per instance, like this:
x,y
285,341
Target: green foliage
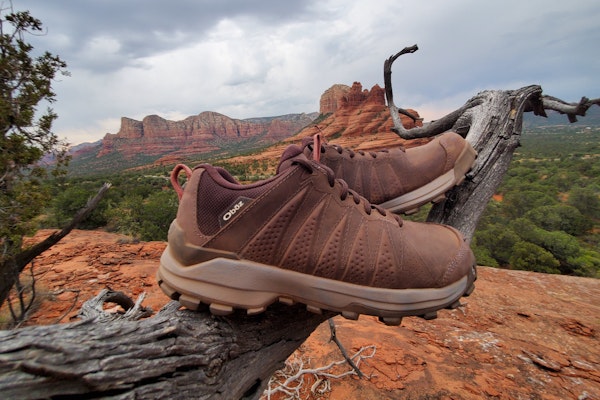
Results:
x,y
66,203
498,242
25,81
146,219
157,212
548,217
519,202
533,258
586,200
25,137
560,217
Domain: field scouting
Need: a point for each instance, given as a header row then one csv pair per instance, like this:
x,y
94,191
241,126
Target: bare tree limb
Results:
x,y
572,110
493,127
340,346
93,309
492,122
387,79
176,354
14,265
28,255
429,130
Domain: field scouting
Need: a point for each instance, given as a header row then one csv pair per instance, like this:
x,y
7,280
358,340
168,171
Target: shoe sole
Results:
x,y
434,191
226,284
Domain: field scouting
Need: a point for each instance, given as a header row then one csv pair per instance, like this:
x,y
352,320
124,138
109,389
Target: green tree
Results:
x,y
125,217
25,137
530,257
72,199
145,219
560,218
586,200
499,242
157,212
561,245
518,202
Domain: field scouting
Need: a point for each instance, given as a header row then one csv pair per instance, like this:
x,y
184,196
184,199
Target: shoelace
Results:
x,y
345,190
311,143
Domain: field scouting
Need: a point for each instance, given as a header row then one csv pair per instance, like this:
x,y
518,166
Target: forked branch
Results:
x,y
572,110
492,122
432,129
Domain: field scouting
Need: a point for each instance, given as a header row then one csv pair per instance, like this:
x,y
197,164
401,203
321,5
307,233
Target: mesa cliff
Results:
x,y
359,118
202,133
352,116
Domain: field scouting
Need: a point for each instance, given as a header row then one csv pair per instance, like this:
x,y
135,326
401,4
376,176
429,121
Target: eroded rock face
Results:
x,y
204,132
356,112
332,97
355,117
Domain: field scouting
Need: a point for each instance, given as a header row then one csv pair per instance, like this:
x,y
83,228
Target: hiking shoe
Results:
x,y
401,180
303,236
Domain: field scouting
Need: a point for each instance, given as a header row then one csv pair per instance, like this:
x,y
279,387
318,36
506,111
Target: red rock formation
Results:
x,y
196,134
358,112
331,98
356,118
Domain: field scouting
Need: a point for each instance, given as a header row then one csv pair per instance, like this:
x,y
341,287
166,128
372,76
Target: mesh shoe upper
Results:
x,y
387,174
305,220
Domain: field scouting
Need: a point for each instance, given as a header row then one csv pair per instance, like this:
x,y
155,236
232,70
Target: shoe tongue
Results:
x,y
291,153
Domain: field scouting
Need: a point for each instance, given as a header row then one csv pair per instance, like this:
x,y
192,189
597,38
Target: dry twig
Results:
x,y
290,379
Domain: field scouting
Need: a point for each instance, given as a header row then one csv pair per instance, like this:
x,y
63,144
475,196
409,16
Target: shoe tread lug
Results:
x,y
189,302
429,316
391,321
220,309
350,315
314,309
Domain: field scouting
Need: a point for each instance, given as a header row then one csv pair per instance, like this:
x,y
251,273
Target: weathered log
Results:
x,y
177,354
493,127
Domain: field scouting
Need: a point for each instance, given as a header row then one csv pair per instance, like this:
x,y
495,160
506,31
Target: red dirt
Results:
x,y
521,335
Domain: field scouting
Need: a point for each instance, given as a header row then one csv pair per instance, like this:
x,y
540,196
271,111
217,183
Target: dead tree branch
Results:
x,y
28,255
492,122
572,110
15,265
176,354
335,339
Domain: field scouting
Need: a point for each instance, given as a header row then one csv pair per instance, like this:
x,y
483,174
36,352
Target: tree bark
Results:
x,y
177,354
493,127
184,354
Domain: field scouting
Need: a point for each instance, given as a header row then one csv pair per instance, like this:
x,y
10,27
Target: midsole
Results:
x,y
247,284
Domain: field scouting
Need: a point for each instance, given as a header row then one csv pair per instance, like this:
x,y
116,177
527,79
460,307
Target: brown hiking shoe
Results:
x,y
303,236
401,180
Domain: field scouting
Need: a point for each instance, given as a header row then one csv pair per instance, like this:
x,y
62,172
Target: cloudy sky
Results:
x,y
247,58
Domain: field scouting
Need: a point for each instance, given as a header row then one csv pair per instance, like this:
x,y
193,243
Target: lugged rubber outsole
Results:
x,y
225,285
435,190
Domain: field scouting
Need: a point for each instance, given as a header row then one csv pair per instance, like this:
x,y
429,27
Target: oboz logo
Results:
x,y
233,209
232,212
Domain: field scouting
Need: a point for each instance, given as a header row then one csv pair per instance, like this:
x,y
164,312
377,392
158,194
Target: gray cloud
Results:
x,y
260,58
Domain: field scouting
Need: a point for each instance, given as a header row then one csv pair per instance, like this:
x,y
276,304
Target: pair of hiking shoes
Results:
x,y
324,232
